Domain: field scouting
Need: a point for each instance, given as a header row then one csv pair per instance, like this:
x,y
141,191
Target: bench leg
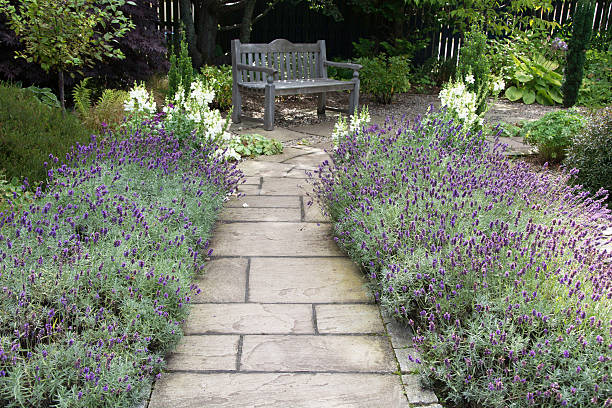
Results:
x,y
354,97
321,100
237,105
269,107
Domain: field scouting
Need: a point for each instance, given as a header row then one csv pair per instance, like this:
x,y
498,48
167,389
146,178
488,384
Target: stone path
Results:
x,y
284,319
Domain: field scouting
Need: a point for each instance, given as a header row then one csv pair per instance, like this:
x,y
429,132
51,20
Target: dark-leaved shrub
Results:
x,y
31,130
591,154
553,133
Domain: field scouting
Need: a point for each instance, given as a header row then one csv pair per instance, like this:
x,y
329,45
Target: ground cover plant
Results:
x,y
96,272
495,266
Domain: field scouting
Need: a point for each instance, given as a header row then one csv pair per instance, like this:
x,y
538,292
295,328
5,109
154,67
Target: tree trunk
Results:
x,y
60,83
207,19
246,25
190,32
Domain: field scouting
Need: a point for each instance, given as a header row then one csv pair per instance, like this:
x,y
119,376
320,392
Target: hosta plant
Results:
x,y
497,267
535,80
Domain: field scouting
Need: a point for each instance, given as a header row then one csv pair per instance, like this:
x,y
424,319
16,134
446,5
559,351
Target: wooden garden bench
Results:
x,y
284,68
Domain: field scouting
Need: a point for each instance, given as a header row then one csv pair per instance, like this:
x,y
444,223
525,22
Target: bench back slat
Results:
x,y
292,61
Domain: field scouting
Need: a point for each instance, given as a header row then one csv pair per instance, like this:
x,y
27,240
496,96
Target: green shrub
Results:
x,y
45,95
596,89
591,154
473,69
180,74
30,131
535,80
219,79
12,195
553,133
384,76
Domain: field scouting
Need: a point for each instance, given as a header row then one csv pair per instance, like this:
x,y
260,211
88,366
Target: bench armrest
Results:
x,y
267,70
348,65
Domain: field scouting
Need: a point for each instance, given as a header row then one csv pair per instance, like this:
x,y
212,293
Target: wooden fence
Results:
x,y
297,23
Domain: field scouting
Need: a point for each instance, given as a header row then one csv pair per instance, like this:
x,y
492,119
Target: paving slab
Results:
x,y
415,392
252,180
249,318
274,390
319,129
250,189
195,353
407,360
401,335
317,353
314,213
260,214
252,168
338,319
288,153
257,201
274,239
223,280
309,161
285,186
306,280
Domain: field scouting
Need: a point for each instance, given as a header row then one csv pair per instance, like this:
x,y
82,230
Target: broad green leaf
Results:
x,y
529,96
556,96
513,93
543,98
523,77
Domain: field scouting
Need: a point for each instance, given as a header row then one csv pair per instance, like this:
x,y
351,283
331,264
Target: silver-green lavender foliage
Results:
x,y
496,267
96,274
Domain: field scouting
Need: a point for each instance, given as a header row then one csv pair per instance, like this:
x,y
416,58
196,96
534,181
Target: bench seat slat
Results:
x,y
299,86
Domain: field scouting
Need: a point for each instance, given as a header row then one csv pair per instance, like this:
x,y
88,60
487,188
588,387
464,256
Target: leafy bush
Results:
x,y
104,273
106,114
553,133
475,68
255,145
219,79
369,48
30,131
45,95
591,154
495,266
12,196
596,89
384,76
534,80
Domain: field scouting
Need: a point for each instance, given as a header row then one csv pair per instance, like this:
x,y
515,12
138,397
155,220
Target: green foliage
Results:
x,y
384,76
255,145
30,131
63,36
553,133
473,65
596,89
590,152
45,95
106,114
219,79
493,18
581,35
180,75
369,48
535,80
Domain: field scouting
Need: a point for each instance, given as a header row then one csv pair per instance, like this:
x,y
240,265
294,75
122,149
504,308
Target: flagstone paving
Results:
x,y
284,318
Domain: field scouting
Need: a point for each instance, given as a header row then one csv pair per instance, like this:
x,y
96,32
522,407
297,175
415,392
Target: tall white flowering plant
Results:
x,y
355,123
462,105
139,106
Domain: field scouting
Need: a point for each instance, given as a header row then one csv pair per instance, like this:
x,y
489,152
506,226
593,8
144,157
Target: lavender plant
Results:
x,y
96,273
496,267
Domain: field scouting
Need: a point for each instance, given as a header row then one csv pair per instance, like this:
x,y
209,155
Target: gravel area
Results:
x,y
291,111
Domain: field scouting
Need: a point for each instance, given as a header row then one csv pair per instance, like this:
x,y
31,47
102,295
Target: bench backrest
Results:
x,y
292,61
